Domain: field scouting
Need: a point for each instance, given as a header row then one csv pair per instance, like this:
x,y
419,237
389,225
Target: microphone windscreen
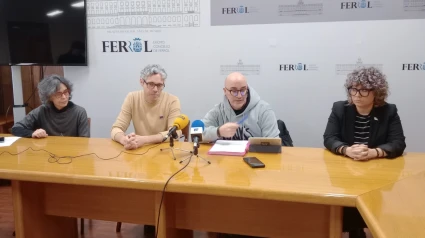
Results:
x,y
181,121
198,123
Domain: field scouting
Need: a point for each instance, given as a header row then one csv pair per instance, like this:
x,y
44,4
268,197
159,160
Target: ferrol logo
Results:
x,y
293,67
137,45
234,10
412,67
356,5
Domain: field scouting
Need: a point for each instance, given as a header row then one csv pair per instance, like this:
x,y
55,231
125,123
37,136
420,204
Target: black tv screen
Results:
x,y
43,32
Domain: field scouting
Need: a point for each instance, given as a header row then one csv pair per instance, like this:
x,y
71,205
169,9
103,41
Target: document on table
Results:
x,y
229,147
8,141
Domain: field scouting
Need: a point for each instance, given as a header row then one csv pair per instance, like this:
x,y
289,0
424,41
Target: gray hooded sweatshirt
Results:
x,y
261,121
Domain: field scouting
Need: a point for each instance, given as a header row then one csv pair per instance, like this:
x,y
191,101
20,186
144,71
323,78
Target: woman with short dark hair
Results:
x,y
57,116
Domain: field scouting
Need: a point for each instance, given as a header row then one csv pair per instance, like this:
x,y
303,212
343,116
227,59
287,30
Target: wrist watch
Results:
x,y
218,131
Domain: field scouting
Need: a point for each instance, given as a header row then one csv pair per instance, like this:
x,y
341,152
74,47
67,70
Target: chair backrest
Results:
x,y
89,122
284,134
186,131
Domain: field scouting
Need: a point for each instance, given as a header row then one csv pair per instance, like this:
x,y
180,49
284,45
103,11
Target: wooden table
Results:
x,y
300,193
397,209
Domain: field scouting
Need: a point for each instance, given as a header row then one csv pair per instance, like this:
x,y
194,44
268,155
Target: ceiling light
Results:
x,y
54,13
78,4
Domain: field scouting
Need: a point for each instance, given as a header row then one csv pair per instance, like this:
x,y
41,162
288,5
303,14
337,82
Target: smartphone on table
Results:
x,y
254,162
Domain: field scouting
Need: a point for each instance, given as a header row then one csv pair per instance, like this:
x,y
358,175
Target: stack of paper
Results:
x,y
229,147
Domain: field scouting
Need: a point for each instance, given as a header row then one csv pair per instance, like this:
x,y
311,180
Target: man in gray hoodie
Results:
x,y
241,115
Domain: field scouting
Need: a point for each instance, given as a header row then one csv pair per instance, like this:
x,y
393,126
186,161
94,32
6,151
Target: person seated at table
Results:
x,y
241,114
364,127
152,111
57,116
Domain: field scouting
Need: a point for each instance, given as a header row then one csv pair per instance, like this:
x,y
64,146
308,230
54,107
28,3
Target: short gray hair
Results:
x,y
153,69
49,85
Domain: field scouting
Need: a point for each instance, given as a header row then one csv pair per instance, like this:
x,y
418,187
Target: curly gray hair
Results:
x,y
49,85
369,78
153,69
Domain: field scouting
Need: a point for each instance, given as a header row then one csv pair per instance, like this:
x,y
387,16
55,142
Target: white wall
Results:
x,y
302,99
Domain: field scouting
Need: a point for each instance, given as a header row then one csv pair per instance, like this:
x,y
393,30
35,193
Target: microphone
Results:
x,y
179,123
196,130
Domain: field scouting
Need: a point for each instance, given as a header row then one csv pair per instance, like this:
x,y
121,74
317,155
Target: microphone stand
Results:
x,y
172,146
195,152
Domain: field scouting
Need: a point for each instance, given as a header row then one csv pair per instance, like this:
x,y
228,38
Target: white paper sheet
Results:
x,y
229,146
8,141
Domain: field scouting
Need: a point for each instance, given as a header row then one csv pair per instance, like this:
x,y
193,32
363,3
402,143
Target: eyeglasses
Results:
x,y
60,94
363,92
235,93
153,85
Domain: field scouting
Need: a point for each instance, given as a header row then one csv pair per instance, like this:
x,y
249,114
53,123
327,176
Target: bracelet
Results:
x,y
338,149
377,152
343,150
218,132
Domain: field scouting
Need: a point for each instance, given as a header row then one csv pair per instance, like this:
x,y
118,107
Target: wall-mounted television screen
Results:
x,y
43,32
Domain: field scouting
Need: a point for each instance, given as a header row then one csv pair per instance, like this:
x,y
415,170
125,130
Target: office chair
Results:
x,y
284,134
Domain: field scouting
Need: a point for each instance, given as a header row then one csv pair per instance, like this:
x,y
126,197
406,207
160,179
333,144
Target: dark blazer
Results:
x,y
386,131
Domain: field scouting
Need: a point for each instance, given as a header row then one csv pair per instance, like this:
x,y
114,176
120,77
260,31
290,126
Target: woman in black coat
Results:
x,y
364,127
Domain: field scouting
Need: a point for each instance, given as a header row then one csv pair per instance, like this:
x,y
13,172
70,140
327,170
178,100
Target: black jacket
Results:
x,y
386,131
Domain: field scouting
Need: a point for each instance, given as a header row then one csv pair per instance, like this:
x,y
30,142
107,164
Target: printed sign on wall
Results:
x,y
245,12
346,68
245,69
128,14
